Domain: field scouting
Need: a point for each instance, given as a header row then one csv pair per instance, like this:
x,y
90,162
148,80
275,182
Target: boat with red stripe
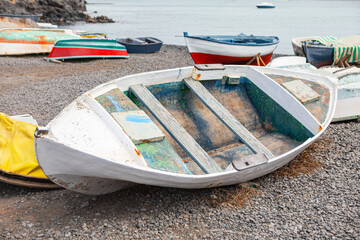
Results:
x,y
88,48
231,49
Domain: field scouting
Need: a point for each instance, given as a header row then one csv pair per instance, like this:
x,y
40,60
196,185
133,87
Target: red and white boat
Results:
x,y
87,48
236,49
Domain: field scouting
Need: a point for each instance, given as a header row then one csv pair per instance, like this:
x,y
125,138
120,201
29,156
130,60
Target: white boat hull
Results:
x,y
104,159
94,175
24,48
347,106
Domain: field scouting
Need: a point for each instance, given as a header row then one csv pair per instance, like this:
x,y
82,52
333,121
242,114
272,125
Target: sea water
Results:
x,y
168,19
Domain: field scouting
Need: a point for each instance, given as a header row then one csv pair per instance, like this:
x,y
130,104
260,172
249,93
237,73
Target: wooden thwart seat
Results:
x,y
181,136
227,118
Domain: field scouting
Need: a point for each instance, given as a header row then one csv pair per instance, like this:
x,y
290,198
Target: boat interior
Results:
x,y
244,39
189,132
247,40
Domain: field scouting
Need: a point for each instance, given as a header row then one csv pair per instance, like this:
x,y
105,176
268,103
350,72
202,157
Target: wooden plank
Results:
x,y
138,126
181,136
301,91
227,118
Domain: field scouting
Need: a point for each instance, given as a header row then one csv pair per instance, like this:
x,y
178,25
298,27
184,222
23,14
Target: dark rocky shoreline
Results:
x,y
54,11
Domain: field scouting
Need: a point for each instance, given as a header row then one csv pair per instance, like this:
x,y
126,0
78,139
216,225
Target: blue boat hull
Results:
x,y
319,55
143,45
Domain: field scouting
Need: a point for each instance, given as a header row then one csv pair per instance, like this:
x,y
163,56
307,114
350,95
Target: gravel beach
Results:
x,y
316,196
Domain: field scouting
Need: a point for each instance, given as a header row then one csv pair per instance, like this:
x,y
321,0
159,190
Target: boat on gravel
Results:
x,y
87,48
235,49
191,127
141,44
20,41
348,80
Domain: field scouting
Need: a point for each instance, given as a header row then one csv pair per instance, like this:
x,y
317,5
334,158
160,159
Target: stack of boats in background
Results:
x,y
20,36
323,51
330,56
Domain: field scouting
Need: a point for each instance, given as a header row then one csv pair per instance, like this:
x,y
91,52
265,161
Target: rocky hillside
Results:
x,y
56,11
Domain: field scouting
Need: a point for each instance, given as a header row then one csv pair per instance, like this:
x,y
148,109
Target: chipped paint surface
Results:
x,y
199,121
160,155
277,143
138,126
272,113
29,41
116,101
152,145
301,91
318,109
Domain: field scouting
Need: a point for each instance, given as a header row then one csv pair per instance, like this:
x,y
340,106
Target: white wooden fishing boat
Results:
x,y
348,80
231,49
188,127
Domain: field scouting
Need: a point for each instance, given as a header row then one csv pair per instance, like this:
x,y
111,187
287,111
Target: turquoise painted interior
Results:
x,y
273,126
262,116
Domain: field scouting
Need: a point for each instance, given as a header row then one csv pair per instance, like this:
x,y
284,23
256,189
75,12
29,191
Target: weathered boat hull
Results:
x,y
88,48
22,41
348,103
204,51
99,169
114,176
347,108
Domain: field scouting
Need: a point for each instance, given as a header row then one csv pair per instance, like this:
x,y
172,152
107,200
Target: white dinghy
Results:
x,y
191,127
